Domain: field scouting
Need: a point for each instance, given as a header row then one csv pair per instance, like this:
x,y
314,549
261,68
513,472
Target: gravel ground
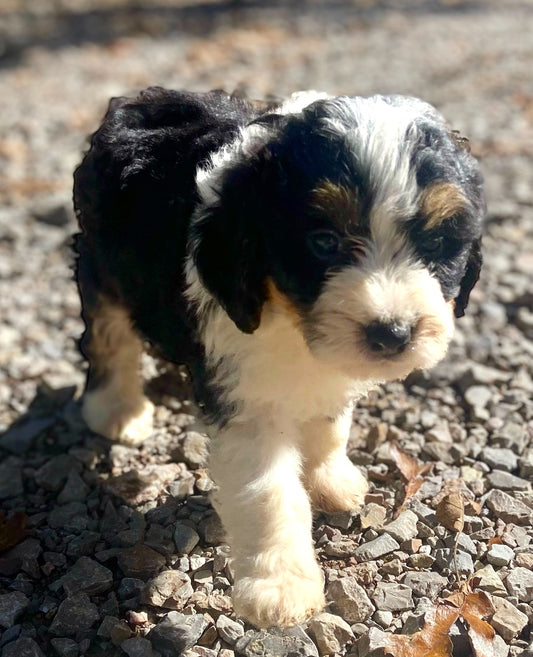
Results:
x,y
123,554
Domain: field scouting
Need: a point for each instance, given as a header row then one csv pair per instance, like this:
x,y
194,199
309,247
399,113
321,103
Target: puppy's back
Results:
x,y
134,193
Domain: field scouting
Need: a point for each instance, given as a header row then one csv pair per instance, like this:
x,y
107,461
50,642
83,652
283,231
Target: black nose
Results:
x,y
387,339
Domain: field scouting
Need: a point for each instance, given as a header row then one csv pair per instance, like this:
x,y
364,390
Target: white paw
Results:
x,y
336,486
282,600
127,421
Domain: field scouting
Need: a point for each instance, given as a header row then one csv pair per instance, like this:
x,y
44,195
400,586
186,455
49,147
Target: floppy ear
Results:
x,y
229,255
470,278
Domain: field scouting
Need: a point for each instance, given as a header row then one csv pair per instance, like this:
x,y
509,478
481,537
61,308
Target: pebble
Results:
x,y
75,489
445,559
19,438
508,621
87,576
137,646
403,528
489,581
12,606
372,643
65,647
229,630
171,589
519,582
506,481
75,614
390,596
379,547
11,484
176,633
500,458
349,600
140,562
53,474
500,555
508,508
25,647
193,449
425,584
185,538
276,642
330,632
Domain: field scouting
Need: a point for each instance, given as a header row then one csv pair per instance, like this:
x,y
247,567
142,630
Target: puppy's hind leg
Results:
x,y
113,404
331,479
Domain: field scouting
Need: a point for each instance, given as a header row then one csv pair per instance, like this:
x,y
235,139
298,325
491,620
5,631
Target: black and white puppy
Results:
x,y
293,257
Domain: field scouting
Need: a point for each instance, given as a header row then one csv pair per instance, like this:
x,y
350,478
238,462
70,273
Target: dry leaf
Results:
x,y
431,641
12,529
450,512
473,607
494,540
411,469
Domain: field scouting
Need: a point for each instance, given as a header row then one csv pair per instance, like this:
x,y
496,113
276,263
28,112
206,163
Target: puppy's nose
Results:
x,y
387,339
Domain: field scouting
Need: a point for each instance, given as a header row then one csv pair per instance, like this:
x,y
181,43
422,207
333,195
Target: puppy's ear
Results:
x,y
470,278
229,255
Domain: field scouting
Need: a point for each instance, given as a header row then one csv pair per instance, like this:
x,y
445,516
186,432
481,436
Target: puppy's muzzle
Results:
x,y
387,338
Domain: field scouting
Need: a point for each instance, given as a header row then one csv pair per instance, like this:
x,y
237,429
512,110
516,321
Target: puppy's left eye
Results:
x,y
324,244
434,246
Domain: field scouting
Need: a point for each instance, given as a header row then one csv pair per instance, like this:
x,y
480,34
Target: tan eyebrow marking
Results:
x,y
441,201
337,202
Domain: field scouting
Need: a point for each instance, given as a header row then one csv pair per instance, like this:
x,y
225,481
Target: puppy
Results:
x,y
293,256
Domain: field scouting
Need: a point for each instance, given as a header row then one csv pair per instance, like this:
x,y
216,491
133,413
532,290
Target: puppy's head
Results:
x,y
361,217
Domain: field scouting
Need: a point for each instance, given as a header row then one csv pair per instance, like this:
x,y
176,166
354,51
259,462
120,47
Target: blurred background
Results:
x,y
60,62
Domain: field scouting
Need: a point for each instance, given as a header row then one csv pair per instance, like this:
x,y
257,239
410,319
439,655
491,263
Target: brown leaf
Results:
x,y
407,465
411,469
12,529
481,634
450,512
431,641
494,540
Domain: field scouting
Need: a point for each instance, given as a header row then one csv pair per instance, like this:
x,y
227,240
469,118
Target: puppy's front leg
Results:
x,y
266,513
333,482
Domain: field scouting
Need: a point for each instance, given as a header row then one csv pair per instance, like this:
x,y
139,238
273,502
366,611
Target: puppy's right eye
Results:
x,y
324,244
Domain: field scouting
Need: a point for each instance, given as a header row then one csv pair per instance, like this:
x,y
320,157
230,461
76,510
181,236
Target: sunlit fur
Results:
x,y
274,332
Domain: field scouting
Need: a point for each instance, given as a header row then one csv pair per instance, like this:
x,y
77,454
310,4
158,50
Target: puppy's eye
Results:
x,y
434,246
324,244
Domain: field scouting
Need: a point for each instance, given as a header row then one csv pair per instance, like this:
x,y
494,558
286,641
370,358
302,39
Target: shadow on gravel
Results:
x,y
58,28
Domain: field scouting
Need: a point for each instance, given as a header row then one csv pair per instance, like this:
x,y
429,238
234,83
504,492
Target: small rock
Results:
x,y
383,618
478,396
75,614
425,584
211,530
53,474
54,211
87,576
170,589
489,581
500,555
372,516
376,548
403,528
75,489
500,458
508,508
193,449
137,647
70,517
12,606
508,621
506,481
330,632
25,647
185,538
140,562
462,560
65,647
372,643
349,600
275,641
176,633
519,582
229,630
344,547
390,596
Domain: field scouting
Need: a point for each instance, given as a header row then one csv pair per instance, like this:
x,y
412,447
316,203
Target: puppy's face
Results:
x,y
361,218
